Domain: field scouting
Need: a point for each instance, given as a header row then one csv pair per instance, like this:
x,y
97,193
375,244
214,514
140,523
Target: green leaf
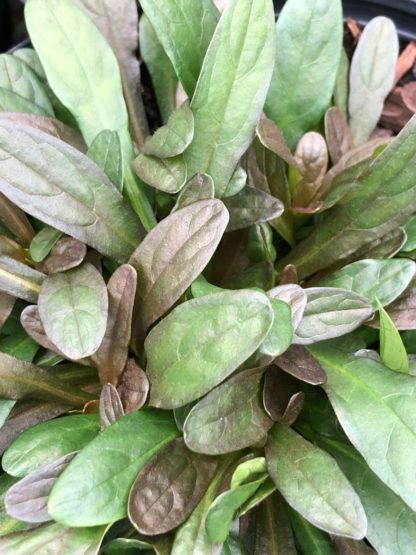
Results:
x,y
84,494
240,57
55,538
237,182
280,335
105,151
382,279
229,418
372,74
73,307
380,425
173,255
329,313
341,89
65,190
200,187
48,441
161,71
410,229
173,138
204,341
20,88
308,50
174,473
313,484
251,206
184,28
392,350
19,345
295,297
165,174
7,523
19,280
43,242
381,199
311,539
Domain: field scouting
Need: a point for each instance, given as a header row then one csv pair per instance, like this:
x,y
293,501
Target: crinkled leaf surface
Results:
x,y
84,494
204,341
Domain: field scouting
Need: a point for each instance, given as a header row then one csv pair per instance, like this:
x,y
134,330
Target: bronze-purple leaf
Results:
x,y
111,408
27,500
134,387
338,134
16,221
281,396
298,362
169,488
66,254
272,138
295,297
111,356
6,306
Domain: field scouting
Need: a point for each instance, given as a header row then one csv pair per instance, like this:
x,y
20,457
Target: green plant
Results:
x,y
197,306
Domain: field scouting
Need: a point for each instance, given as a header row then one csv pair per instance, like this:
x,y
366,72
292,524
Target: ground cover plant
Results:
x,y
207,340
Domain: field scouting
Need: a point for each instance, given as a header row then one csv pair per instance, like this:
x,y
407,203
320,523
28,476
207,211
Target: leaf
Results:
x,y
118,22
282,398
111,408
204,340
372,73
56,538
229,418
46,442
251,206
32,324
272,138
311,539
410,229
280,335
331,312
184,28
8,524
65,190
237,182
240,57
18,81
200,187
105,151
16,221
312,157
6,307
165,174
161,71
341,89
111,356
402,311
173,255
379,425
382,279
295,297
43,242
338,134
19,345
27,499
138,436
19,280
313,484
173,138
134,387
299,363
24,380
68,253
308,50
352,547
168,488
73,309
392,350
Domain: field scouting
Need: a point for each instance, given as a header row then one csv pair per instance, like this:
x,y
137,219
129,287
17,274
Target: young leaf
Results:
x,y
382,279
68,253
311,539
134,387
73,309
43,242
165,174
338,134
173,255
161,71
298,362
312,160
185,28
65,190
118,22
308,50
272,138
313,484
169,488
111,408
379,425
200,187
372,73
173,138
49,441
392,350
84,494
240,57
251,206
229,418
237,182
19,280
105,151
204,341
331,312
27,499
280,335
111,356
295,297
282,398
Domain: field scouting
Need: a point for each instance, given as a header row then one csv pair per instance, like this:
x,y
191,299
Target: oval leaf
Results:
x,y
251,206
165,174
134,387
